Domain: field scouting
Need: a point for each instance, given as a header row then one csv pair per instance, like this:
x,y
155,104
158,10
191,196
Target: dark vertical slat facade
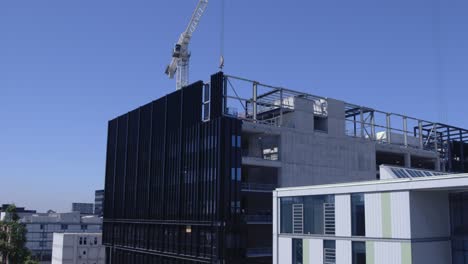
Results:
x,y
173,182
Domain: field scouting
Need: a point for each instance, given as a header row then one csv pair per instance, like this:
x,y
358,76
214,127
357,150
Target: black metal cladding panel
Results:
x,y
120,163
109,180
158,150
216,99
192,101
131,164
143,166
110,163
172,171
231,247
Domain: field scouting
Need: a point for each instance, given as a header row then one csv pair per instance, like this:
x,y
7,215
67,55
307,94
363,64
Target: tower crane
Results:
x,y
179,65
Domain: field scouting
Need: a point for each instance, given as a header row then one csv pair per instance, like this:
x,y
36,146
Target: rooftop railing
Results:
x,y
261,103
253,101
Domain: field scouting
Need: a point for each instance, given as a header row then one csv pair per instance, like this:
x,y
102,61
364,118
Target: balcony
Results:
x,y
258,187
262,217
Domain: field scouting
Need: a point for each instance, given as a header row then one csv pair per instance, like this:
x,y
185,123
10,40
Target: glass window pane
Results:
x,y
286,215
358,252
329,251
297,257
358,221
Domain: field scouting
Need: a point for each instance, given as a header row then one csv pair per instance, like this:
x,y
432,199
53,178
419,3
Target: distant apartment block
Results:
x,y
412,217
83,208
99,202
189,176
78,248
41,228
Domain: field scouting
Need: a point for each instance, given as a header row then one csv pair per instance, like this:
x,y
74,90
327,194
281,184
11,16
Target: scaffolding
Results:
x,y
256,102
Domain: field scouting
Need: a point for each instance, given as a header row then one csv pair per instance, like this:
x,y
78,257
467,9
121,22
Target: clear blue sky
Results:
x,y
67,67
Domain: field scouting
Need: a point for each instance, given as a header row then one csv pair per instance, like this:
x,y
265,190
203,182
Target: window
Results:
x,y
297,251
85,241
321,124
95,241
206,103
84,227
459,226
42,227
329,251
64,227
359,252
81,241
236,174
358,220
317,215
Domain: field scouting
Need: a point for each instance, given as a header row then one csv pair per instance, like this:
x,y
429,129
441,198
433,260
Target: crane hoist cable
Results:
x,y
221,41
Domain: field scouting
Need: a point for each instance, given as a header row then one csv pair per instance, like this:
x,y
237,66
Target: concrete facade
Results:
x,y
309,156
407,221
78,248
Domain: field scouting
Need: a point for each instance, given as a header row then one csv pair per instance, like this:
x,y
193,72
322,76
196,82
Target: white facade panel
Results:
x,y
343,215
343,252
315,249
400,214
78,248
373,214
387,252
284,250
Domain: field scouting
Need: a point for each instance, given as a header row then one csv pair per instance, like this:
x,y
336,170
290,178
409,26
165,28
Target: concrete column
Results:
x,y
255,146
407,160
437,164
336,118
303,115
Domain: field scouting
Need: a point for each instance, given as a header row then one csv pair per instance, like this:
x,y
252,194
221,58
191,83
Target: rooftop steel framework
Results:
x,y
253,101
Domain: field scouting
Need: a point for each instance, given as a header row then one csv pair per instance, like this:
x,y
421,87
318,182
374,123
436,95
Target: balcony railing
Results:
x,y
259,252
258,218
266,154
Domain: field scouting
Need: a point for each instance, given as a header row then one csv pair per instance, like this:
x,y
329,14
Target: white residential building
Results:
x,y
410,217
78,248
41,227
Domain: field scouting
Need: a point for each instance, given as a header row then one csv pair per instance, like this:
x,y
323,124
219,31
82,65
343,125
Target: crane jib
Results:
x,y
196,19
181,55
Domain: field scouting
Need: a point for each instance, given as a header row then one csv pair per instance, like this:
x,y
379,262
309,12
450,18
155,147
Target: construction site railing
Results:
x,y
262,103
256,102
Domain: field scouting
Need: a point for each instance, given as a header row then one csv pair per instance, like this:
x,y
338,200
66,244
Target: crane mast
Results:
x,y
179,66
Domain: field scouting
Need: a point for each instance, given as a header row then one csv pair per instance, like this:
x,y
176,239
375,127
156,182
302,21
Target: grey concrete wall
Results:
x,y
430,216
336,118
310,158
302,117
431,252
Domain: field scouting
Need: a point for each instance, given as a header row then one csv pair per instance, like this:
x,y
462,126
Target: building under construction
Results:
x,y
189,176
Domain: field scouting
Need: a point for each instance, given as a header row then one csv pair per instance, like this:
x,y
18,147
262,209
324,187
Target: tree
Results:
x,y
13,239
